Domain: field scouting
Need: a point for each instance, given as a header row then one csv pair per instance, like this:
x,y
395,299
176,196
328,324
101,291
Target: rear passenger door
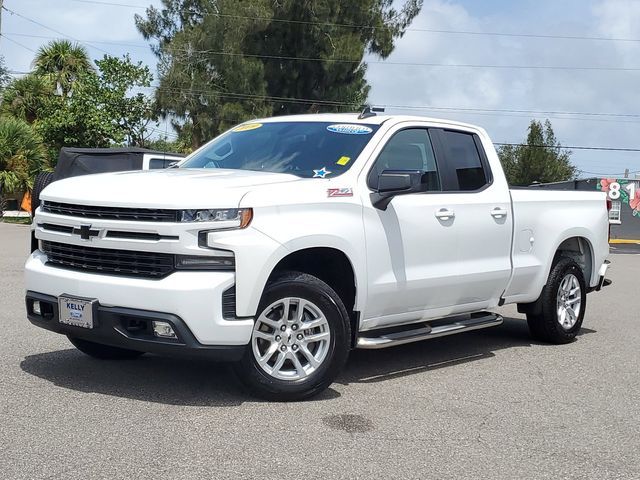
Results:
x,y
482,216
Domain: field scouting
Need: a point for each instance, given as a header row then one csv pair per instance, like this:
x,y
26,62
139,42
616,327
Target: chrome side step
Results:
x,y
411,334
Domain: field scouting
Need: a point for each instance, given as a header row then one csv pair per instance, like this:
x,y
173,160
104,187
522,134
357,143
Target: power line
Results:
x,y
35,22
370,27
17,43
600,174
606,149
190,53
330,103
420,64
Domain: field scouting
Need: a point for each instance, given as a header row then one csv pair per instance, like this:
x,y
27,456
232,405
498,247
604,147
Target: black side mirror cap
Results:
x,y
396,182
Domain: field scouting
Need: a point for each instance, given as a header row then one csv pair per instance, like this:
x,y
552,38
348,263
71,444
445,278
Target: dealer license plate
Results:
x,y
76,311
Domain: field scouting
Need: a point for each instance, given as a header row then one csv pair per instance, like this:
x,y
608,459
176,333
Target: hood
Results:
x,y
171,188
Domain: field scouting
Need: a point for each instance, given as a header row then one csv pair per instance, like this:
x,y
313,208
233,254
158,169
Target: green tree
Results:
x,y
64,62
131,111
222,62
103,110
541,159
26,98
163,144
21,156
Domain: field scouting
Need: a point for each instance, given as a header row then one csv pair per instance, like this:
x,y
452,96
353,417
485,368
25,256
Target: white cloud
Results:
x,y
525,89
547,90
82,21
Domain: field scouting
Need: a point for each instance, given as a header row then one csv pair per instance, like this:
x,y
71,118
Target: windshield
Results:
x,y
305,149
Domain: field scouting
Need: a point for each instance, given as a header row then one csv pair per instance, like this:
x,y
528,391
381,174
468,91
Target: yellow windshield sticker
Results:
x,y
343,160
246,127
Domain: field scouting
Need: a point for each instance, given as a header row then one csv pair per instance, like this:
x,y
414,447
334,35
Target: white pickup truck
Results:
x,y
286,242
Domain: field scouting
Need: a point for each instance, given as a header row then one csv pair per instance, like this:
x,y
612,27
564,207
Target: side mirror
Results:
x,y
396,182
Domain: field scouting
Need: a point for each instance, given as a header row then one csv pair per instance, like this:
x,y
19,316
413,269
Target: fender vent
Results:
x,y
229,303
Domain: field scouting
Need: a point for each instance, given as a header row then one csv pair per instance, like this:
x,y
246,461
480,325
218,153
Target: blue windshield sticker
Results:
x,y
323,172
350,129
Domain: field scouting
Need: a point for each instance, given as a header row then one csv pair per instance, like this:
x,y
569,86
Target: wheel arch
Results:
x,y
329,263
579,248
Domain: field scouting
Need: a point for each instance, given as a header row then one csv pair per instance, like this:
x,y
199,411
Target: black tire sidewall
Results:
x,y
41,181
551,326
319,293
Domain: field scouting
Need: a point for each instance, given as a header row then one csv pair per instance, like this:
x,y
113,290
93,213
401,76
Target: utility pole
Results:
x,y
1,7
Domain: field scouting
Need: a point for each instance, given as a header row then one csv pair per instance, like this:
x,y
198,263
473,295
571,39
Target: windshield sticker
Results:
x,y
246,127
339,192
350,129
323,172
343,161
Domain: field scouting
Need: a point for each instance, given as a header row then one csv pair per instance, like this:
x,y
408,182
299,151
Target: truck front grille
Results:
x,y
110,213
108,261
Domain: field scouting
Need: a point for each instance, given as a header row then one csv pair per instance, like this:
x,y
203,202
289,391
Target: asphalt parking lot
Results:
x,y
490,404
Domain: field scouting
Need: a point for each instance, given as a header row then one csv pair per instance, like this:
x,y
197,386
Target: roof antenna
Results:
x,y
369,111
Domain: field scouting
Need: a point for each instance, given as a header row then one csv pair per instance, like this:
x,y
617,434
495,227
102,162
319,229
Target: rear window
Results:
x,y
463,157
305,149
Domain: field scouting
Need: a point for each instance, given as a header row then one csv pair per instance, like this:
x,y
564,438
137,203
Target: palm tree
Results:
x,y
22,155
64,62
25,97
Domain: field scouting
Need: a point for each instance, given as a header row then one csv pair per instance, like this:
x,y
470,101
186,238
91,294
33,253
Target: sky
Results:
x,y
604,88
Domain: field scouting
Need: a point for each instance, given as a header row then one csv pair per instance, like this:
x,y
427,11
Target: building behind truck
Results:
x,y
624,193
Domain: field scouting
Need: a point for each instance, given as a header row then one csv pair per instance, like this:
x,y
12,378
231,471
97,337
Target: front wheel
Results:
x,y
300,340
563,301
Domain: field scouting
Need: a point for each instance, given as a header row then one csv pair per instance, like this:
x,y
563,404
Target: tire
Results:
x,y
103,352
41,181
558,321
321,349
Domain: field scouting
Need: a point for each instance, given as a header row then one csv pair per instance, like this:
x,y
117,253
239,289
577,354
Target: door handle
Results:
x,y
445,214
498,212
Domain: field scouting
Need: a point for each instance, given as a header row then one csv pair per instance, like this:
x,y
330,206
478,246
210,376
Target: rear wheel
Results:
x,y
41,181
300,339
563,301
103,352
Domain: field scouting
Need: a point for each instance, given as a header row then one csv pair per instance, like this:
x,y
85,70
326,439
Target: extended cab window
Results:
x,y
408,149
464,161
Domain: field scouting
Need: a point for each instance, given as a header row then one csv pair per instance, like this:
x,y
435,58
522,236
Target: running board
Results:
x,y
412,334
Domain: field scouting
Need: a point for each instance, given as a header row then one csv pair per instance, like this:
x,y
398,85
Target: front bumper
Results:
x,y
195,298
131,329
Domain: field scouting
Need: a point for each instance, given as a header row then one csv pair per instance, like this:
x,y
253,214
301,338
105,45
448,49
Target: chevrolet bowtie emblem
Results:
x,y
85,232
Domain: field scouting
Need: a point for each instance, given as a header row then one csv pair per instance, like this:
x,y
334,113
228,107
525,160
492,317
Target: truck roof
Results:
x,y
353,118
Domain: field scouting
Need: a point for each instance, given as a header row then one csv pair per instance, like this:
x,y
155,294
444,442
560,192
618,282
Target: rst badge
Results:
x,y
339,192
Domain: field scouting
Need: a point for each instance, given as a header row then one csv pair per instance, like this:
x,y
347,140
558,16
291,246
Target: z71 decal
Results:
x,y
339,192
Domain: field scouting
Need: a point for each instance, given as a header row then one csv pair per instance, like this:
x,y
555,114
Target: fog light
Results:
x,y
36,308
163,330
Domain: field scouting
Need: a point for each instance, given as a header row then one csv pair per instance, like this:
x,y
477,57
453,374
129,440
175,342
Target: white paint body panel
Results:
x,y
408,265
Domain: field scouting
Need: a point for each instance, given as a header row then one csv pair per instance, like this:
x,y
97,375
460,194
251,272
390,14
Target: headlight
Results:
x,y
227,217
